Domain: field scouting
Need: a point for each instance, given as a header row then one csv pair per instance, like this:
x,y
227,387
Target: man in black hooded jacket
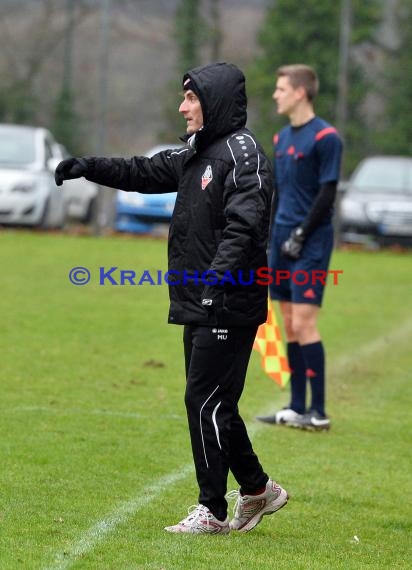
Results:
x,y
217,242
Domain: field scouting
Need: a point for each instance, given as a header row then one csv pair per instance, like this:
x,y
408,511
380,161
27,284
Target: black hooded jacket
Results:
x,y
221,217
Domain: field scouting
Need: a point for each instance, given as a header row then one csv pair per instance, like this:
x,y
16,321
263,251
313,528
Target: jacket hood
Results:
x,y
221,91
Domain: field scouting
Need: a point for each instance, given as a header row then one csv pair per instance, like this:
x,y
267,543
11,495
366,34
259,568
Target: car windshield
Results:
x,y
17,147
382,175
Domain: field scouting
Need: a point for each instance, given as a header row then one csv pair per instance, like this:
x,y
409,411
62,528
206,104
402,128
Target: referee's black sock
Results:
x,y
297,377
314,356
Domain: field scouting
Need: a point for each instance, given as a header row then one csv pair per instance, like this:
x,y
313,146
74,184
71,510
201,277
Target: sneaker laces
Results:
x,y
234,496
243,507
196,512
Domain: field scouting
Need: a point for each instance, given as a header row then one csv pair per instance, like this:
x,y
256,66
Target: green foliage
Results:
x,y
308,32
18,104
66,122
189,36
394,130
196,32
173,124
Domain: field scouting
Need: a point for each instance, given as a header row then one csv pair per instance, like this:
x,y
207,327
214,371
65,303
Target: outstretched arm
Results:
x,y
158,174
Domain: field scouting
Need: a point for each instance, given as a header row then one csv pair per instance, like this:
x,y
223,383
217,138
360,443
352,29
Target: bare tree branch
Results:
x,y
47,34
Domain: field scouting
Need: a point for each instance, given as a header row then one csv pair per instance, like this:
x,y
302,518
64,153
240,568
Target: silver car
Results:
x,y
377,201
28,194
80,195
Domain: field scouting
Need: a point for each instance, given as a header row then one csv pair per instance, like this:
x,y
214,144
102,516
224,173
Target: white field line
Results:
x,y
123,512
403,333
120,515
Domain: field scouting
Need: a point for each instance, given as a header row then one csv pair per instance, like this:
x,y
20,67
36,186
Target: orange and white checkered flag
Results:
x,y
269,343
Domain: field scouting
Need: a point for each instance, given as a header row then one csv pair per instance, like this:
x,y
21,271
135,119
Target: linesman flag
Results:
x,y
269,343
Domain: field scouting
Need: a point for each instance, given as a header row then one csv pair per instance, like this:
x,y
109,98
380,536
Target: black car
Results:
x,y
377,201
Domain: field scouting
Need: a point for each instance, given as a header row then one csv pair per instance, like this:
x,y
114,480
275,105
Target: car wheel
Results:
x,y
62,225
91,211
45,218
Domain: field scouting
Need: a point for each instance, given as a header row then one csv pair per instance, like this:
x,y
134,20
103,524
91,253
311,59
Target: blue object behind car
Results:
x,y
142,213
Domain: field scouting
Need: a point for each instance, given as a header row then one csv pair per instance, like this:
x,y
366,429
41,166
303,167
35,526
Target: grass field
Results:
x,y
95,456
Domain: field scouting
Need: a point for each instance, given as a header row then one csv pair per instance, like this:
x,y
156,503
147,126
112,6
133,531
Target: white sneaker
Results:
x,y
314,421
200,521
286,416
249,509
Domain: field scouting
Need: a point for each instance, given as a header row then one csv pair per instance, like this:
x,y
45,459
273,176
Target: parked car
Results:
x,y
144,213
80,195
377,201
28,194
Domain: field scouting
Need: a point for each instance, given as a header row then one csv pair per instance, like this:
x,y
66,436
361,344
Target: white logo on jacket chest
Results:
x,y
207,176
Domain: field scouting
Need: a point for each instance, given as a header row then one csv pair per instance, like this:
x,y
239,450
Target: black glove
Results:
x,y
69,169
293,245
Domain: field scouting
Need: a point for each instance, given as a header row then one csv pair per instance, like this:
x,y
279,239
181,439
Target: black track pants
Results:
x,y
216,364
